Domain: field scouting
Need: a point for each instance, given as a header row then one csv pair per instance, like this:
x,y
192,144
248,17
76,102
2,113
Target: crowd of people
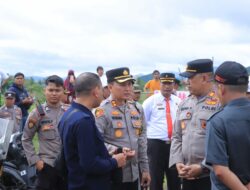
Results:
x,y
112,142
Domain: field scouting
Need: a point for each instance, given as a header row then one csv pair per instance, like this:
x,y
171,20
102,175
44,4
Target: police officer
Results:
x,y
123,127
136,95
188,141
22,99
10,111
228,142
43,120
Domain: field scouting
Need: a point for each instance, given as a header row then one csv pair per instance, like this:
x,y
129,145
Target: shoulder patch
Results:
x,y
99,112
31,123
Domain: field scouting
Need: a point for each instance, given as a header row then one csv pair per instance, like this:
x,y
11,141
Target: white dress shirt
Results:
x,y
155,115
103,79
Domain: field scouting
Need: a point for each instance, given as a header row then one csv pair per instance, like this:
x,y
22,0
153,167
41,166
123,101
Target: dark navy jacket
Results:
x,y
21,93
88,162
228,141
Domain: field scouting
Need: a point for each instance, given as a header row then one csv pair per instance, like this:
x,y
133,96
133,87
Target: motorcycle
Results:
x,y
15,173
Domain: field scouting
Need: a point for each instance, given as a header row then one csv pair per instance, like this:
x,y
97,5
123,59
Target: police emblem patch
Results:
x,y
99,112
125,72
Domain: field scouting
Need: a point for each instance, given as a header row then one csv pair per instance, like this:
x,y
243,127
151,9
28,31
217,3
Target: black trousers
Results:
x,y
126,186
48,179
130,185
197,184
158,155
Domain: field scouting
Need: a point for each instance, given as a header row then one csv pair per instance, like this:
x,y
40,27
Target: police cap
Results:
x,y
167,77
9,95
231,73
119,75
136,88
198,66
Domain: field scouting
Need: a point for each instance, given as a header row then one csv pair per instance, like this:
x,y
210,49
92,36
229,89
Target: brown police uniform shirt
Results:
x,y
13,113
188,140
124,126
48,135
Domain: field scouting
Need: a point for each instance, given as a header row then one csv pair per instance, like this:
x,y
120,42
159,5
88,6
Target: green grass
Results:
x,y
35,142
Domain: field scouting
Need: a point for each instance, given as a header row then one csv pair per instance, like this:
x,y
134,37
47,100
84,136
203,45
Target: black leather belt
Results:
x,y
162,141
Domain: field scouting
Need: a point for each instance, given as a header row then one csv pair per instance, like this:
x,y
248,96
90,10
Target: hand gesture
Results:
x,y
121,159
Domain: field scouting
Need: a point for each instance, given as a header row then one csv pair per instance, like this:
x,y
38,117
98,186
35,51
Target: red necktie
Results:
x,y
169,119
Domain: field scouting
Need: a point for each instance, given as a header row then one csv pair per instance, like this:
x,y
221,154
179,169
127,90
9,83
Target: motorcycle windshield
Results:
x,y
6,128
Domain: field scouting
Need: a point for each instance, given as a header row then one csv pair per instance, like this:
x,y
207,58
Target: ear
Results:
x,y
110,86
223,89
94,92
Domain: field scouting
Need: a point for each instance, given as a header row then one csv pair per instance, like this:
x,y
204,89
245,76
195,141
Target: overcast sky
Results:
x,y
49,37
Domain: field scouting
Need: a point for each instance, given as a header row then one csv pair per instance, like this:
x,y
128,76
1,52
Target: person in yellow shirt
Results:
x,y
153,85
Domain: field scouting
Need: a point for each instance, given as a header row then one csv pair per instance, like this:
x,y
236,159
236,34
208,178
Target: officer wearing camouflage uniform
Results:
x,y
123,126
10,111
44,122
188,141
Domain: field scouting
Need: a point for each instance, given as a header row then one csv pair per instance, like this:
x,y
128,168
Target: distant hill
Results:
x,y
35,78
248,70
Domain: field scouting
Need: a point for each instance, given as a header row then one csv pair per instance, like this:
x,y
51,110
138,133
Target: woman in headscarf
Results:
x,y
69,86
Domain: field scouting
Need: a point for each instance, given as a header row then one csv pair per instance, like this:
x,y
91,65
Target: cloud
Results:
x,y
48,37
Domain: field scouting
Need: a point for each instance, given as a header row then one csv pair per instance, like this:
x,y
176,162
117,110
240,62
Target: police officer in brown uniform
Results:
x,y
10,111
188,140
123,126
44,121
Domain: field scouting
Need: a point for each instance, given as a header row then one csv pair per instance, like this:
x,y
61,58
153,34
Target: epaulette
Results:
x,y
212,99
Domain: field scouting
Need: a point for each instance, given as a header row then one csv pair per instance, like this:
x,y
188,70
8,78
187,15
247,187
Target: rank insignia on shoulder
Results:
x,y
115,113
213,101
113,103
188,115
31,123
118,133
99,112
